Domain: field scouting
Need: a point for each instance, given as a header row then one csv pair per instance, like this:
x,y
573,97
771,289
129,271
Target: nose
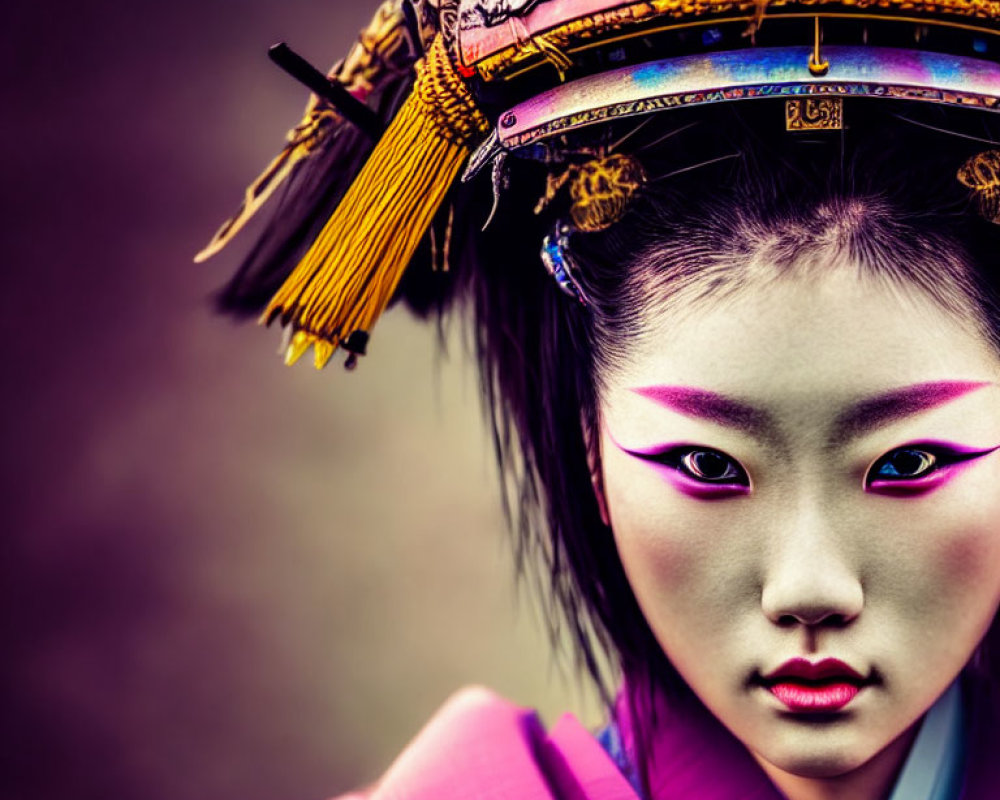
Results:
x,y
809,578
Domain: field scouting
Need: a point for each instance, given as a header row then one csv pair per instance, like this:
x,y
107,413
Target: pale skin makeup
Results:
x,y
806,470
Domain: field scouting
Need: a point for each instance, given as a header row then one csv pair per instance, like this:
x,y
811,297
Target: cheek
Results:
x,y
946,571
676,550
971,554
969,561
648,525
966,518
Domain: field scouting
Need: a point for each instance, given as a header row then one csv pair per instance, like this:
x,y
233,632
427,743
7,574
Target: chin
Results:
x,y
822,766
816,754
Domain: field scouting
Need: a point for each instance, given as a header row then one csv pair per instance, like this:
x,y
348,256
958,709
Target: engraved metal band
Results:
x,y
855,71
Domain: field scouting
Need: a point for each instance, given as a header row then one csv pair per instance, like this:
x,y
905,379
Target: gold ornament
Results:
x,y
814,114
981,173
600,189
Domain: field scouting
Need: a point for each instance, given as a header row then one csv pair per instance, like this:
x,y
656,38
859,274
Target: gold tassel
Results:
x,y
349,274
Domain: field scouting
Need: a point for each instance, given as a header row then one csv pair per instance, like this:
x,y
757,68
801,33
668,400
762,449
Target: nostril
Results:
x,y
826,621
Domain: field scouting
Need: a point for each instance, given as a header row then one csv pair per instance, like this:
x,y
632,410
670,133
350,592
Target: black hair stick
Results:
x,y
352,109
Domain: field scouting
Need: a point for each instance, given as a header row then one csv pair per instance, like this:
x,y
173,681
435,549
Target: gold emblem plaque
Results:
x,y
814,114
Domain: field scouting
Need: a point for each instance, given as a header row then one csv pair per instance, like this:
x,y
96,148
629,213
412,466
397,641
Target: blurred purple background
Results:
x,y
220,577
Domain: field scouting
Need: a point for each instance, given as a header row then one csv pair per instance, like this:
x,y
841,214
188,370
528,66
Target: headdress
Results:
x,y
437,92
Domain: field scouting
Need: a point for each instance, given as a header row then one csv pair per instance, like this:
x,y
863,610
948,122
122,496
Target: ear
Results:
x,y
592,442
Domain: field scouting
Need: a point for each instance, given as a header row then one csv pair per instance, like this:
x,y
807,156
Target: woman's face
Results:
x,y
803,490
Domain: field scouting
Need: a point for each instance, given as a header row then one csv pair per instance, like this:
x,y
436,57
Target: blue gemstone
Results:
x,y
711,36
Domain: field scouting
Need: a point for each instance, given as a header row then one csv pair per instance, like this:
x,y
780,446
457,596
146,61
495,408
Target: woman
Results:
x,y
748,421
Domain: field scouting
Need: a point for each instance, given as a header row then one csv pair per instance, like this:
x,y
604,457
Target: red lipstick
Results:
x,y
821,687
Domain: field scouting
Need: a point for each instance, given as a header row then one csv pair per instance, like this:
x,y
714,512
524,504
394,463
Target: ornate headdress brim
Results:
x,y
759,73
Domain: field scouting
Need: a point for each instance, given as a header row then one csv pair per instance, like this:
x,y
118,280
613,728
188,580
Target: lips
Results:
x,y
814,687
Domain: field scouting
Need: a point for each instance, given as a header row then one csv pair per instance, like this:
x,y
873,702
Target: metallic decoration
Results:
x,y
981,173
817,64
814,114
600,189
749,74
572,24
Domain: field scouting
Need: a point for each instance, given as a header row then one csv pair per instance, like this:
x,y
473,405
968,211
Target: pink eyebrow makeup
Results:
x,y
887,407
703,404
857,419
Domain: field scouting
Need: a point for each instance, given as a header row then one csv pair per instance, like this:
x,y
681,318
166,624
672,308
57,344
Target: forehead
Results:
x,y
806,340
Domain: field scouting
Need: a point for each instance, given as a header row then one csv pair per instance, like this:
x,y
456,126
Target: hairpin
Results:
x,y
560,264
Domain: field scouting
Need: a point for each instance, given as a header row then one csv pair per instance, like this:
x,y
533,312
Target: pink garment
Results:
x,y
479,746
692,755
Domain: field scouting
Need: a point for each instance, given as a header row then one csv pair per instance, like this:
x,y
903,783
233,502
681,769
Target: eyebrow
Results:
x,y
859,418
711,406
874,412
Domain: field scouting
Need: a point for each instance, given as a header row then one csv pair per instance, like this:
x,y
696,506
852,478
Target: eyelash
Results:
x,y
681,460
940,459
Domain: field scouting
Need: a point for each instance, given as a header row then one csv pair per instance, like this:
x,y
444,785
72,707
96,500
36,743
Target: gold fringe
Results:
x,y
349,274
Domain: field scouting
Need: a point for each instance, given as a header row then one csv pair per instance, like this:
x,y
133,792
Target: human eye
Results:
x,y
702,471
919,466
706,465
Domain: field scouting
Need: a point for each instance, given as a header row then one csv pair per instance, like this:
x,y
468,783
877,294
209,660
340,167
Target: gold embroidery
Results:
x,y
579,32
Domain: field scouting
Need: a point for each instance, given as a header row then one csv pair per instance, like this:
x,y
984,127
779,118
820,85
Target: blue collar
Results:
x,y
933,769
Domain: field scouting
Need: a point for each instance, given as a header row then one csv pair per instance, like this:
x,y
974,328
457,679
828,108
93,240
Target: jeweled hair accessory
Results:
x,y
559,262
433,81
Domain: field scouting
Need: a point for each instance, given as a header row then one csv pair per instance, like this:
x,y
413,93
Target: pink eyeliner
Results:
x,y
957,458
701,490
